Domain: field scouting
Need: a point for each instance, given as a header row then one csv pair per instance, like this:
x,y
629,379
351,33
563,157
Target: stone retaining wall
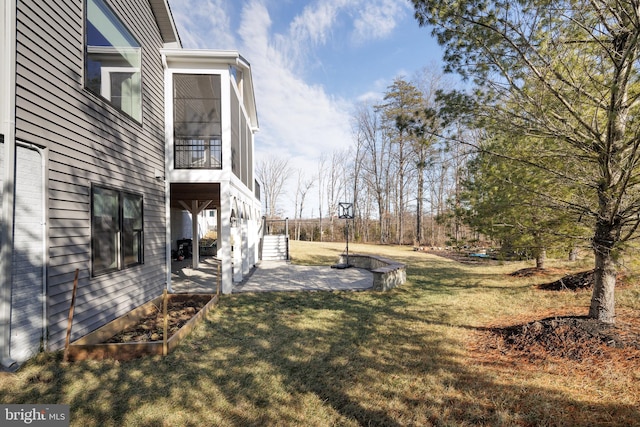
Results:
x,y
387,274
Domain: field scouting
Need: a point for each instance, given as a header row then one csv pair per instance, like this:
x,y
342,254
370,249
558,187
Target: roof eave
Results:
x,y
166,24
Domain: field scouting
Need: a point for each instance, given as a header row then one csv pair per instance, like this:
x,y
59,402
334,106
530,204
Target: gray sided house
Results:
x,y
109,131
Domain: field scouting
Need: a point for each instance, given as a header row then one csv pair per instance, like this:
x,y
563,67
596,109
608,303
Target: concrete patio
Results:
x,y
186,280
270,276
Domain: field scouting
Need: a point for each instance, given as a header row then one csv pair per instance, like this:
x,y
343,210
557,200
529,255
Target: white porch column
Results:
x,y
224,237
256,240
167,221
237,253
251,237
245,246
195,238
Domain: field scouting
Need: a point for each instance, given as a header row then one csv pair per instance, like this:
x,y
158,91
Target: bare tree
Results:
x,y
322,170
336,176
375,162
303,187
356,177
273,172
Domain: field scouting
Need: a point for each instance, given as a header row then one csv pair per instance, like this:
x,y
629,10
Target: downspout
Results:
x,y
8,129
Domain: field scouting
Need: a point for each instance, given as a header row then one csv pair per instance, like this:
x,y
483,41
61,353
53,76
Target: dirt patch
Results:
x,y
151,327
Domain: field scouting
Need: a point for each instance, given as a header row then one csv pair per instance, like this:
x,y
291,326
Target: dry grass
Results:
x,y
414,356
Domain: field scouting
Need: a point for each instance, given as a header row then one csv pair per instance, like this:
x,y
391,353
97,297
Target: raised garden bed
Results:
x,y
140,332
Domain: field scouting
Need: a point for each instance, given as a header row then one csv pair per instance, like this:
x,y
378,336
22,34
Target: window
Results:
x,y
196,121
112,60
116,230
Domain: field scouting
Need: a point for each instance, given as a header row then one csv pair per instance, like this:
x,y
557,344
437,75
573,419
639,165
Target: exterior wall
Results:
x,y
90,142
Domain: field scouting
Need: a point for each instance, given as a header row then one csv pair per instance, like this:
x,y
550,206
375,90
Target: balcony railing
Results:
x,y
198,153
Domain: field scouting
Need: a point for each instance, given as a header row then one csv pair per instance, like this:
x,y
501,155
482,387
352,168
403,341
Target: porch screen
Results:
x,y
196,121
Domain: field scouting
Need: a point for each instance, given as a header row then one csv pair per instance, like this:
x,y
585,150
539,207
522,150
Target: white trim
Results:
x,y
163,15
105,78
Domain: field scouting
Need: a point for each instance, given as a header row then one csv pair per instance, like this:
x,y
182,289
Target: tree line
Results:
x,y
399,174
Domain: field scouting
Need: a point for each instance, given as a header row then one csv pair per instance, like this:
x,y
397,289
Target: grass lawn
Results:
x,y
413,356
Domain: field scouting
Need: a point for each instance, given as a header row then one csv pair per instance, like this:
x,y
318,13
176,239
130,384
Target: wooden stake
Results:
x,y
65,356
166,322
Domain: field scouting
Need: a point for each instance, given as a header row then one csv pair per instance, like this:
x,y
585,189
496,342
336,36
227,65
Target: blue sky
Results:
x,y
312,61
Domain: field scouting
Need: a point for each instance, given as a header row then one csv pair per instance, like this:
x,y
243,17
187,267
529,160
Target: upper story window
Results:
x,y
196,121
113,60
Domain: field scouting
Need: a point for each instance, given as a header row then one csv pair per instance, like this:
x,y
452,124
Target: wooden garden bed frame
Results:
x,y
93,345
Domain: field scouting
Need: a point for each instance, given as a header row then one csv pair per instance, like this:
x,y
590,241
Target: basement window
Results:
x,y
117,235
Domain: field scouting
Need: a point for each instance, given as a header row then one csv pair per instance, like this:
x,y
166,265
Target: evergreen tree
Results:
x,y
403,102
516,203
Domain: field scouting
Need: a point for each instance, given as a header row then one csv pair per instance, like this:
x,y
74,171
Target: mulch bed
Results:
x,y
570,342
569,337
151,328
572,282
561,337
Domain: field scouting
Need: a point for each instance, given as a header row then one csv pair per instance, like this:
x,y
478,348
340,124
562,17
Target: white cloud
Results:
x,y
204,24
378,19
314,23
312,28
296,118
370,96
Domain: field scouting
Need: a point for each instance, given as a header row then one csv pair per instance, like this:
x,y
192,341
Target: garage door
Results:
x,y
27,312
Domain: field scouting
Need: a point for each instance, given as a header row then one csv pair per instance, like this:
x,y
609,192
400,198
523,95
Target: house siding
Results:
x,y
90,142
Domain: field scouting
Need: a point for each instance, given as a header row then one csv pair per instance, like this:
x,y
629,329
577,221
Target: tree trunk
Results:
x,y
603,298
612,163
419,204
541,257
